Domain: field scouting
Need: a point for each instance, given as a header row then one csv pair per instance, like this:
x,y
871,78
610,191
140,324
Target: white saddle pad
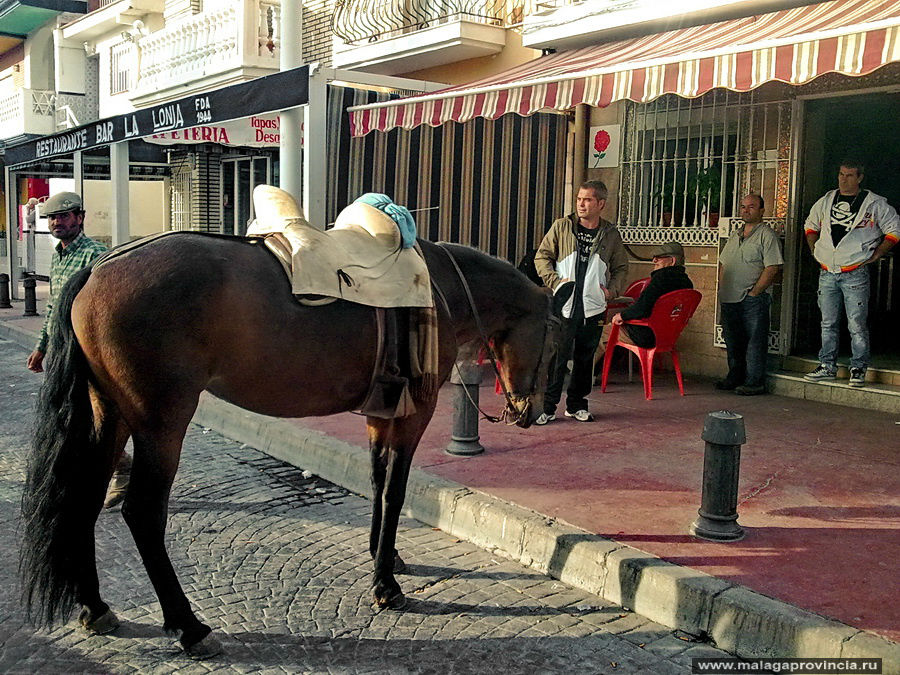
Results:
x,y
360,259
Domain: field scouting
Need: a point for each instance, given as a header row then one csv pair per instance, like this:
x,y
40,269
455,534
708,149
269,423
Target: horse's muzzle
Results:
x,y
519,412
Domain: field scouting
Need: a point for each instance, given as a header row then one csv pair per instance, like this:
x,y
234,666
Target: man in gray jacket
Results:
x,y
847,230
583,261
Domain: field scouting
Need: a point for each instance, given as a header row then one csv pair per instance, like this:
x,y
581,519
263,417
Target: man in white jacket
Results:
x,y
847,230
583,261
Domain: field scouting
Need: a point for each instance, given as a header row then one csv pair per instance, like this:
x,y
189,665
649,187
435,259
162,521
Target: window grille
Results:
x,y
688,162
120,68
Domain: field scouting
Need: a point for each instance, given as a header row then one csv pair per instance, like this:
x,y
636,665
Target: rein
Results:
x,y
510,409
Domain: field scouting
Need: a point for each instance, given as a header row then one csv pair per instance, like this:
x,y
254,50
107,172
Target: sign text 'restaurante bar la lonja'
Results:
x,y
280,91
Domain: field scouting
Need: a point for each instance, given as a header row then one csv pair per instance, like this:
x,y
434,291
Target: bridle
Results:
x,y
511,413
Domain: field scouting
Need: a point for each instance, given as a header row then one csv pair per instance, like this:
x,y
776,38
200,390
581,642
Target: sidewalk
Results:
x,y
819,499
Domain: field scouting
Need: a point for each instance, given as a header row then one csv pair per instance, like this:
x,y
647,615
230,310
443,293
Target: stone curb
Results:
x,y
740,621
22,337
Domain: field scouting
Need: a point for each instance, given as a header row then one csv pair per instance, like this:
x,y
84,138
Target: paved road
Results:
x,y
277,563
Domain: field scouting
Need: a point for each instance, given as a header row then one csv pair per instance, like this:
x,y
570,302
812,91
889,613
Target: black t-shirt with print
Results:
x,y
843,212
584,238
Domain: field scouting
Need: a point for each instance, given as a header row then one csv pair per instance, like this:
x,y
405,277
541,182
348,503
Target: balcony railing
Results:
x,y
27,111
366,21
244,33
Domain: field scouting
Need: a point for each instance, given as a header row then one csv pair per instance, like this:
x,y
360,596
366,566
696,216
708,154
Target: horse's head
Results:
x,y
526,350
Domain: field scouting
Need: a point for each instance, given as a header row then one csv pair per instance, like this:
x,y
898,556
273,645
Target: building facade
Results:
x,y
684,110
680,110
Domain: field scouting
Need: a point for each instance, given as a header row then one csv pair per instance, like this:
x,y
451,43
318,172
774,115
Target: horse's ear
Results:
x,y
561,297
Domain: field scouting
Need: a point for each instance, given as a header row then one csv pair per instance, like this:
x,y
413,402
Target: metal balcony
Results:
x,y
359,22
392,37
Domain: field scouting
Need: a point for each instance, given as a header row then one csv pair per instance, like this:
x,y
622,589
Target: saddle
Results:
x,y
360,259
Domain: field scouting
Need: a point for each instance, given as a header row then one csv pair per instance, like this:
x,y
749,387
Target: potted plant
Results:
x,y
708,184
665,197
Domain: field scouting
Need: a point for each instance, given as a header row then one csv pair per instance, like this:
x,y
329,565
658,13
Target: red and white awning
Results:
x,y
853,37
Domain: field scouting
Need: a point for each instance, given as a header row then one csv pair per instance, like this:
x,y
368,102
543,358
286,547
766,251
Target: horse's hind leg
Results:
x,y
156,456
111,436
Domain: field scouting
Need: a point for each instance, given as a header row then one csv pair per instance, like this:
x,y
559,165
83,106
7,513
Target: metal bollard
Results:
x,y
724,434
464,434
4,292
30,296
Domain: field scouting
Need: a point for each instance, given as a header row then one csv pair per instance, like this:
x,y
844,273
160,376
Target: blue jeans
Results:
x,y
745,327
850,289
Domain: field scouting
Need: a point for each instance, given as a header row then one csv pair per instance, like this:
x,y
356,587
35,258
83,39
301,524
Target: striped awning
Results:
x,y
853,37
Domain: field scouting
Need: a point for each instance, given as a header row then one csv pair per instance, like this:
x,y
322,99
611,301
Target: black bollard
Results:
x,y
4,292
30,296
464,435
724,434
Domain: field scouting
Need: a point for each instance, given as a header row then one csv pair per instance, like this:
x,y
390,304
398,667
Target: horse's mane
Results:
x,y
488,263
508,286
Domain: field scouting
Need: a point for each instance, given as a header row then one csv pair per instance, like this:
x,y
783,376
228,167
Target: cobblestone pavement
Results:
x,y
277,563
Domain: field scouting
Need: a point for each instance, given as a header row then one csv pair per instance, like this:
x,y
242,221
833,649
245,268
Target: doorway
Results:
x,y
867,128
240,175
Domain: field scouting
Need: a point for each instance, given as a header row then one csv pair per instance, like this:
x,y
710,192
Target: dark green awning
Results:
x,y
18,18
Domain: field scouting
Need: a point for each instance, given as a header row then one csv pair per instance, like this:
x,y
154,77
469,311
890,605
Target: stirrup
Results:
x,y
388,398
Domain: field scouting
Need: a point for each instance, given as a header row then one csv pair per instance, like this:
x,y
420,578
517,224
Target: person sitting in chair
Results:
x,y
668,275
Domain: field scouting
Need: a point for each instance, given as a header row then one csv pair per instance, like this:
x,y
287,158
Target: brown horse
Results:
x,y
136,341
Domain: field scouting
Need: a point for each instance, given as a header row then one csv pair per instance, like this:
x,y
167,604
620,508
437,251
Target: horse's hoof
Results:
x,y
395,601
399,565
106,623
205,649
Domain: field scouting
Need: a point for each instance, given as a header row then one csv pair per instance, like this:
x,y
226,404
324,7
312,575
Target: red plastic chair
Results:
x,y
635,288
669,317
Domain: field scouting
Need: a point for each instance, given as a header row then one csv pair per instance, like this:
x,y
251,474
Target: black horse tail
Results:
x,y
64,485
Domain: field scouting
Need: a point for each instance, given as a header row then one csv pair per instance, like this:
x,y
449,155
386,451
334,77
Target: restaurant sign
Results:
x,y
253,99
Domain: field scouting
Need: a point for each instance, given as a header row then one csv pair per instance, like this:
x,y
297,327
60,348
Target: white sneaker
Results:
x,y
857,377
544,419
581,415
822,372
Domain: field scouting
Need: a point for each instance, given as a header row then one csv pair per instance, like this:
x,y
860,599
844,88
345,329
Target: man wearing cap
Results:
x,y
749,264
75,250
583,261
668,275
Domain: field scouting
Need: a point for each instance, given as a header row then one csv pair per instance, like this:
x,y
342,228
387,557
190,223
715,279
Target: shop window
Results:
x,y
120,68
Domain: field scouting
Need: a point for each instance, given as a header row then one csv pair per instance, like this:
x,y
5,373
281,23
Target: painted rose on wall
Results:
x,y
601,143
605,143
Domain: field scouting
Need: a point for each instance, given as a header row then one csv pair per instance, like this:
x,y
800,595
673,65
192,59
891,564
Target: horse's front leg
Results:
x,y
378,456
391,459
